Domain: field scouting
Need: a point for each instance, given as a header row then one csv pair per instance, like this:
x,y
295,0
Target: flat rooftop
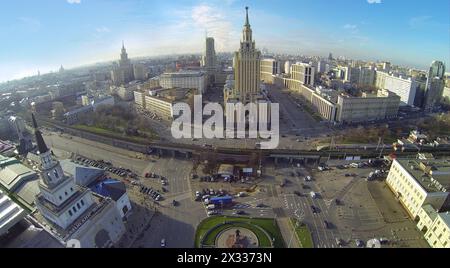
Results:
x,y
433,175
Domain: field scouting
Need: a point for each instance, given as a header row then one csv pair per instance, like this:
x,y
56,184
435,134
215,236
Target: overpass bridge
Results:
x,y
241,155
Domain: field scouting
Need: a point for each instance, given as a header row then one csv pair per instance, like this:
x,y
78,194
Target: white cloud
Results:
x,y
31,23
420,21
215,23
103,29
374,1
352,28
74,1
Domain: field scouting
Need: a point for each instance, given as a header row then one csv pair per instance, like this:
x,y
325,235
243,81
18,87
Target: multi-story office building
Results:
x,y
269,68
161,101
247,67
352,109
334,106
139,72
435,226
422,187
360,75
125,92
323,105
184,79
139,98
287,67
419,182
435,85
304,73
322,66
406,88
209,60
366,76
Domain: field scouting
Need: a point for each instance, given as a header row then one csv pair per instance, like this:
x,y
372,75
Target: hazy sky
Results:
x,y
43,34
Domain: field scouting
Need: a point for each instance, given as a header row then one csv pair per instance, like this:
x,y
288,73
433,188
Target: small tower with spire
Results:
x,y
60,200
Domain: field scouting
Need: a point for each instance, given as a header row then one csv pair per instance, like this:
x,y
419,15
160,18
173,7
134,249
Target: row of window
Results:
x,y
74,208
65,193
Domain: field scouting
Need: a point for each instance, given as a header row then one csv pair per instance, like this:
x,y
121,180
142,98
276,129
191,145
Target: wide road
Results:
x,y
296,120
97,151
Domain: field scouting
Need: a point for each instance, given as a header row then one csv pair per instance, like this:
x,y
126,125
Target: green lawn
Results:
x,y
303,234
269,225
112,134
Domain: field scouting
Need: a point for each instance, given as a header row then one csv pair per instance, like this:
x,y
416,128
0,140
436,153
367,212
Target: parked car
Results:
x,y
359,243
212,212
163,243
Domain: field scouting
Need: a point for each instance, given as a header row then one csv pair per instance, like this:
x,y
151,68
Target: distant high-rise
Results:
x,y
435,85
330,56
247,66
124,60
209,58
209,61
123,72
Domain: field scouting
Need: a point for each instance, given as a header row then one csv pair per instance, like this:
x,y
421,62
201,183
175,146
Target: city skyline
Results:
x,y
370,30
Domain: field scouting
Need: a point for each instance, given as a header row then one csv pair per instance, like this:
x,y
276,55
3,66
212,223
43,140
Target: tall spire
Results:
x,y
247,32
42,147
247,22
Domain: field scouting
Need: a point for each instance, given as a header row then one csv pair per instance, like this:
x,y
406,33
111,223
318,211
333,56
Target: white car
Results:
x,y
212,212
163,243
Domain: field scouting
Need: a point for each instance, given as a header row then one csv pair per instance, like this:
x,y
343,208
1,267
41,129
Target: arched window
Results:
x,y
60,198
56,173
82,202
70,213
78,206
65,193
49,176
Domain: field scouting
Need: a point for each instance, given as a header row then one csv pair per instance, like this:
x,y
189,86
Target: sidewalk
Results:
x,y
288,233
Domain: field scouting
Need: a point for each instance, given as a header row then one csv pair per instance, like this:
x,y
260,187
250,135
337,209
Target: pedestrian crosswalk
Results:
x,y
242,206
